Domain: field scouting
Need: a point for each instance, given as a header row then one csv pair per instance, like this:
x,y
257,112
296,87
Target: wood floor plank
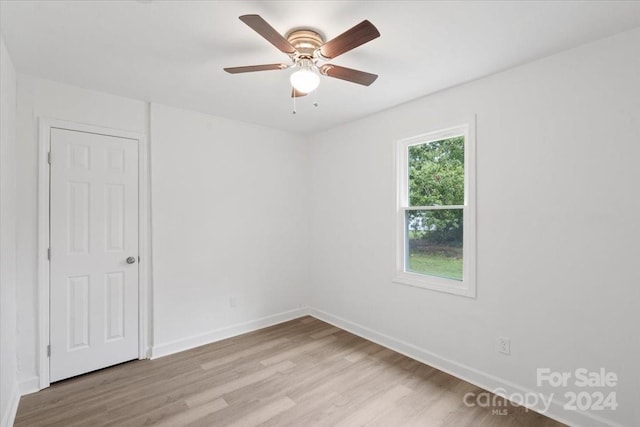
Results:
x,y
300,373
375,407
329,331
187,417
265,413
241,382
285,355
243,353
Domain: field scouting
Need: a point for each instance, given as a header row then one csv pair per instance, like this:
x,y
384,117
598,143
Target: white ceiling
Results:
x,y
173,52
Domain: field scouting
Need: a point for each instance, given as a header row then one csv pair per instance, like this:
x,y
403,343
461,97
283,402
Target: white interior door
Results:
x,y
94,252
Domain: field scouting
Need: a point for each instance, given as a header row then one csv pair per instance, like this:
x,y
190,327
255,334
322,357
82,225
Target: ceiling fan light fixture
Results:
x,y
308,51
305,80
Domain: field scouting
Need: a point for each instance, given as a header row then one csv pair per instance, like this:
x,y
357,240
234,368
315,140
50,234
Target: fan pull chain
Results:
x,y
315,97
294,102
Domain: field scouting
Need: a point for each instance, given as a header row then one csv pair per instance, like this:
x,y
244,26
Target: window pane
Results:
x,y
436,173
434,242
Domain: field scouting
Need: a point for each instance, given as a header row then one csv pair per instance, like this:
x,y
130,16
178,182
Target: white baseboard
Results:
x,y
29,385
9,416
467,373
183,344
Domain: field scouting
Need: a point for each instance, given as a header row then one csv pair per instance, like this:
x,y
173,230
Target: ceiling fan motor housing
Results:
x,y
305,41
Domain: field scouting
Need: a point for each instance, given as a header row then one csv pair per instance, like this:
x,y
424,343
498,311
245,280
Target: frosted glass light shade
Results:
x,y
305,81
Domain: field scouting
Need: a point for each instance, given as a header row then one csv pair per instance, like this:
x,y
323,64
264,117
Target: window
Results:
x,y
436,211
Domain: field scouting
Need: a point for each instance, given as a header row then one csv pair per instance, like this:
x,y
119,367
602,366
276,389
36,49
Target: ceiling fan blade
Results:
x,y
350,39
251,68
296,93
261,27
348,74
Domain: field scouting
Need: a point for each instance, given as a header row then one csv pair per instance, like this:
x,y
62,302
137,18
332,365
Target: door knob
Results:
x,y
131,260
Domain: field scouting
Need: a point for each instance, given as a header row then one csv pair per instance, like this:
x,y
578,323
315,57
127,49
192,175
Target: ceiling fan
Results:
x,y
309,52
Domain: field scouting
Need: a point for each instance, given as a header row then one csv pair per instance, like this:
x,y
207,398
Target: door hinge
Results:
x,y
49,157
49,350
138,259
49,254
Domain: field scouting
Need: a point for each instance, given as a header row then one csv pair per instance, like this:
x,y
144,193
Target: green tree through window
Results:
x,y
436,192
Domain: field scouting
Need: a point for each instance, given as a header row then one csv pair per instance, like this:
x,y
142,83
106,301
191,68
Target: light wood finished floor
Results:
x,y
299,373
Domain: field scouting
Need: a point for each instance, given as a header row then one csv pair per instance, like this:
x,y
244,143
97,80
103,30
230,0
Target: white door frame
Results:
x,y
144,321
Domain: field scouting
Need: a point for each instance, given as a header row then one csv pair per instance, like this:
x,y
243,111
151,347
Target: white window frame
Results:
x,y
467,286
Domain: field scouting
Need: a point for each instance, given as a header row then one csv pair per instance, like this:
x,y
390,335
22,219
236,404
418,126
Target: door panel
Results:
x,y
94,229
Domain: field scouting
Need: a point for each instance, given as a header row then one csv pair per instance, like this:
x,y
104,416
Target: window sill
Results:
x,y
438,284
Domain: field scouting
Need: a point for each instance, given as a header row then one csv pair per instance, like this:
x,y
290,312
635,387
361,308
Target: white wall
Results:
x,y
8,379
42,98
229,222
229,213
558,143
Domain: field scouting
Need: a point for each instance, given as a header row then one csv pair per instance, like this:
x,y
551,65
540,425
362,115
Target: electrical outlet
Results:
x,y
233,302
504,345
